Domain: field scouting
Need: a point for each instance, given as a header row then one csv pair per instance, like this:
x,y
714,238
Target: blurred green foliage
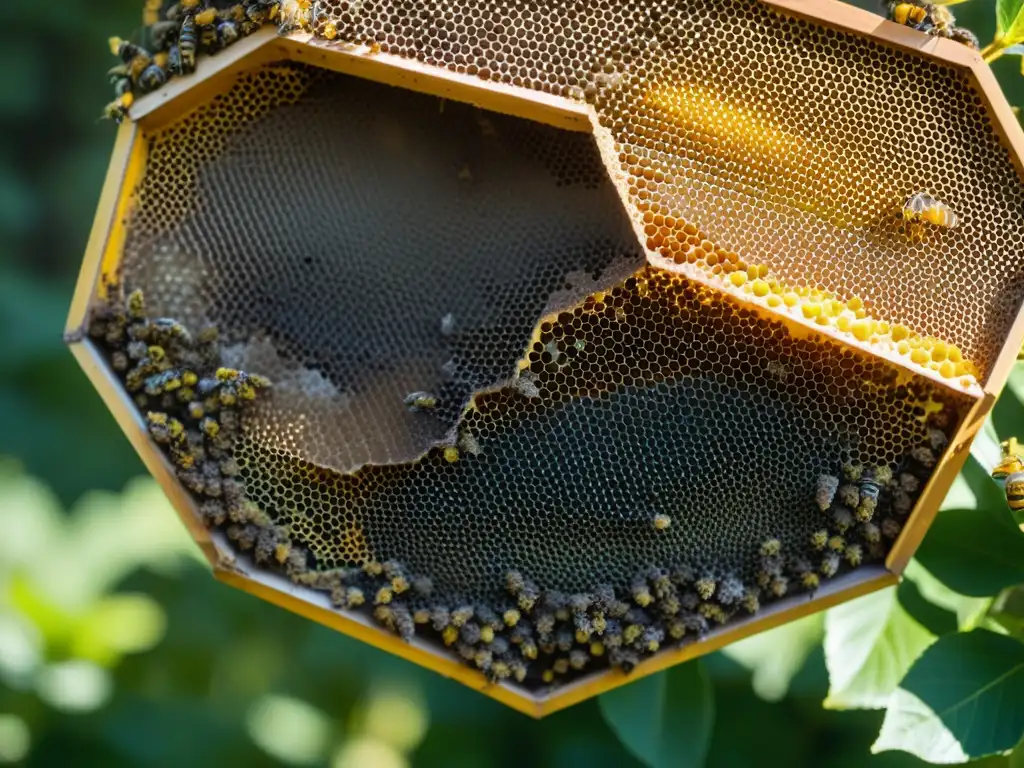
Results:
x,y
118,648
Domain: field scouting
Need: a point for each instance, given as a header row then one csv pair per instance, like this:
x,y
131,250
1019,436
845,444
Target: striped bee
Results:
x,y
1015,491
922,207
1009,465
188,41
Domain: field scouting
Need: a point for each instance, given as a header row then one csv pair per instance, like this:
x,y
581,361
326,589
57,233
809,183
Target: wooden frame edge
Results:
x,y
938,485
182,94
317,607
361,61
849,18
852,585
111,207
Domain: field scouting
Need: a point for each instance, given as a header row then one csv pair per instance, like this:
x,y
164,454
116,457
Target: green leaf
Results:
x,y
1017,757
870,643
776,656
935,618
664,719
966,609
1008,612
1010,20
964,698
976,552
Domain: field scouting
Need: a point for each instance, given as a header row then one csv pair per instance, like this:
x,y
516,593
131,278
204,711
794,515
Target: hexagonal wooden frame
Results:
x,y
215,74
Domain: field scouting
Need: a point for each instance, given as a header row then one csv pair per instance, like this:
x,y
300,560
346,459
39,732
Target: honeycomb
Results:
x,y
491,421
780,139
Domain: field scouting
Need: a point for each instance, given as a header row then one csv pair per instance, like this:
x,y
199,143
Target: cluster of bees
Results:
x,y
188,29
933,18
541,637
193,408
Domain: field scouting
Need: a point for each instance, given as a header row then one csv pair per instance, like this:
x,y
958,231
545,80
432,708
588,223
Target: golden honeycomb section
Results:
x,y
785,141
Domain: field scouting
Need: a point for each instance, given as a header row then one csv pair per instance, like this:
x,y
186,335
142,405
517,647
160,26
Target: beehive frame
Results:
x,y
214,74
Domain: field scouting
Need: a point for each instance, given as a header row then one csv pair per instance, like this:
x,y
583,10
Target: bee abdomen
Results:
x,y
1015,491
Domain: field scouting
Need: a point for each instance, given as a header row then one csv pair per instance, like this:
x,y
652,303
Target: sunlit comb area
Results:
x,y
755,141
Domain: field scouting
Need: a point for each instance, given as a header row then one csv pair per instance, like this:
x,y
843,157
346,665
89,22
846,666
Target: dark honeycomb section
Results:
x,y
385,243
652,400
778,138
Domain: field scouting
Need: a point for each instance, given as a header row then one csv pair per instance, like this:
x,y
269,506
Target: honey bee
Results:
x,y
854,554
819,539
1015,491
771,547
829,565
206,30
852,472
461,615
136,305
1010,464
661,522
849,495
347,597
117,110
641,594
751,600
809,579
212,512
119,80
922,207
891,528
923,455
526,386
908,14
933,18
779,586
871,533
651,639
258,12
825,492
423,586
440,618
188,42
705,587
470,633
420,401
730,590
136,58
842,517
837,544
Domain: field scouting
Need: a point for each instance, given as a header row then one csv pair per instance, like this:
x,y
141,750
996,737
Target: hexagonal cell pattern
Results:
x,y
494,424
780,139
